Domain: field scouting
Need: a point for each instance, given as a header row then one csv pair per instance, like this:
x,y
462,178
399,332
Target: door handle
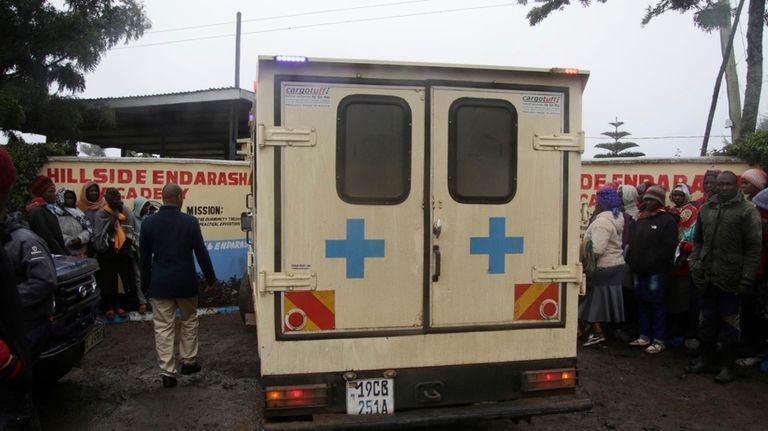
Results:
x,y
436,251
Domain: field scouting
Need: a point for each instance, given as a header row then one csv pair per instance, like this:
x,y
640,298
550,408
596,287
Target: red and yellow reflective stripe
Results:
x,y
537,301
309,311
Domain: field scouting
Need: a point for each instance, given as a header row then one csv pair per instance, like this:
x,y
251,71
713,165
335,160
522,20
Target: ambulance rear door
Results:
x,y
350,210
499,207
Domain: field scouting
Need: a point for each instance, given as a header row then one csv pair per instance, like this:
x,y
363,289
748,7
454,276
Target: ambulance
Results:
x,y
414,253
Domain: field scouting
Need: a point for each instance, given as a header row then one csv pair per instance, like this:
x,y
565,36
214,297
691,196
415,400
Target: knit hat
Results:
x,y
682,188
40,184
7,171
608,199
756,177
656,193
761,199
645,185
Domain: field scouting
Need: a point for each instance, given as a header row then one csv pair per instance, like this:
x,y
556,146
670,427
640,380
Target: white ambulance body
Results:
x,y
416,241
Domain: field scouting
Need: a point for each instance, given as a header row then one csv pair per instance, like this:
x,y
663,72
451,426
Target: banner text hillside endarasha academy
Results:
x,y
148,176
134,178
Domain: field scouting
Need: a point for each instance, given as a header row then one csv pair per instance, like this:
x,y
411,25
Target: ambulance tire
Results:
x,y
245,297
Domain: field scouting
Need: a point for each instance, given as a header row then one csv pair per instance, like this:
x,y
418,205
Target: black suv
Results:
x,y
76,328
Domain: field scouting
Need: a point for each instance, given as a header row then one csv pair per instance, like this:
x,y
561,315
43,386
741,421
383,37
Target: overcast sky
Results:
x,y
657,79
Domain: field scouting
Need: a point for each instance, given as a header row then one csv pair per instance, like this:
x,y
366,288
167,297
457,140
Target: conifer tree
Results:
x,y
617,147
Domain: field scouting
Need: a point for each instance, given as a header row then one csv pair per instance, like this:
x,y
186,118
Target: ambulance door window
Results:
x,y
482,151
373,149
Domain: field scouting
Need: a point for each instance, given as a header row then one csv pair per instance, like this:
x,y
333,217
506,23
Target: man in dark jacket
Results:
x,y
16,408
726,253
651,254
42,217
167,243
36,275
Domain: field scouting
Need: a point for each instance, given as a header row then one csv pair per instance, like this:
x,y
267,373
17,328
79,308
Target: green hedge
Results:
x,y
28,160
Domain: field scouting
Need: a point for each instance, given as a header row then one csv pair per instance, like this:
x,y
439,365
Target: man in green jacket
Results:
x,y
726,253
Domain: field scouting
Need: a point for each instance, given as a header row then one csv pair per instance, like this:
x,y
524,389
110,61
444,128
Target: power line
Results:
x,y
293,15
661,137
305,26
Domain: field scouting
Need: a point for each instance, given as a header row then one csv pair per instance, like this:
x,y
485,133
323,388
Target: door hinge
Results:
x,y
559,142
557,274
285,137
245,148
286,281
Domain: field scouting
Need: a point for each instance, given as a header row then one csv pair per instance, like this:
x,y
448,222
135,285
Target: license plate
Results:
x,y
371,397
95,337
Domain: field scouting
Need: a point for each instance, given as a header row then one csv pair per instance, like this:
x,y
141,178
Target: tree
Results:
x,y
47,51
708,15
752,148
91,150
28,160
616,148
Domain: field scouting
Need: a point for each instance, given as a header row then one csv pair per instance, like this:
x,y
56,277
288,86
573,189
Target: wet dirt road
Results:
x,y
118,388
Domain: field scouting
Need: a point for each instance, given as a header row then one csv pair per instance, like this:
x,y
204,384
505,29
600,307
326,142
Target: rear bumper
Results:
x,y
521,408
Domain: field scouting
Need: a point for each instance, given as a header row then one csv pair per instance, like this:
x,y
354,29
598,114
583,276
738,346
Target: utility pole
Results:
x,y
233,120
718,81
731,80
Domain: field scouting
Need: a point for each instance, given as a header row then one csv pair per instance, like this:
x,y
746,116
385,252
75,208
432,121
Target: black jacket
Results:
x,y
46,225
726,245
12,327
167,243
652,244
33,267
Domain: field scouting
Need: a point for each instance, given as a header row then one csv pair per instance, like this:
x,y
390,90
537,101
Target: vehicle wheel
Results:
x,y
245,297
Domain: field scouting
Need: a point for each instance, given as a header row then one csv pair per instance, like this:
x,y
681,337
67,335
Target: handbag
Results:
x,y
589,259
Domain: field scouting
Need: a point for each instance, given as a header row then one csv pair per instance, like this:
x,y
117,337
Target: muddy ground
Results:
x,y
118,388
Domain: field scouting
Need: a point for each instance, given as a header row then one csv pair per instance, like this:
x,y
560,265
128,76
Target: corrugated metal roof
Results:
x,y
177,93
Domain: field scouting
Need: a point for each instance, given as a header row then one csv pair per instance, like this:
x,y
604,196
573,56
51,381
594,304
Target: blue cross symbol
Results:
x,y
496,245
355,248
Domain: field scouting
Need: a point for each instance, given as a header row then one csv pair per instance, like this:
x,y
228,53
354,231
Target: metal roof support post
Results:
x,y
232,144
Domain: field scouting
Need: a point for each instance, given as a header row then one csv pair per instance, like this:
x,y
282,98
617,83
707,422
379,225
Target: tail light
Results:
x,y
543,380
280,397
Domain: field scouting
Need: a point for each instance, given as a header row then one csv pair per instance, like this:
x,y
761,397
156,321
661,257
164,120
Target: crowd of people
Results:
x,y
681,273
96,226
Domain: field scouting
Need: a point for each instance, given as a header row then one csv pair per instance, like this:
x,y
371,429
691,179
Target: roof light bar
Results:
x,y
565,70
290,59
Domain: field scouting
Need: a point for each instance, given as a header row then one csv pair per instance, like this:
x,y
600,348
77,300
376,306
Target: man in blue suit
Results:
x,y
168,241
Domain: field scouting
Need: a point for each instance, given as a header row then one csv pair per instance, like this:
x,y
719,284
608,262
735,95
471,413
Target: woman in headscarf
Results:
x,y
679,296
75,227
41,213
629,198
114,238
604,302
90,201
